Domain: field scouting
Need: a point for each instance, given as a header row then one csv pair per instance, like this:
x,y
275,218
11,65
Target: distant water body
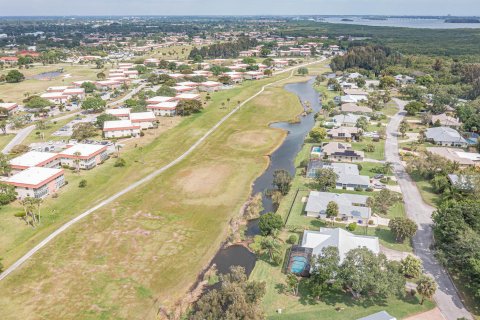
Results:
x,y
406,22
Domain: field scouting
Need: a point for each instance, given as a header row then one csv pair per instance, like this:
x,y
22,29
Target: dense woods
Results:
x,y
223,50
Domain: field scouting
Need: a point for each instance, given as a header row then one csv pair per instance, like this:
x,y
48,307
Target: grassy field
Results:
x,y
378,154
5,139
146,249
301,307
15,92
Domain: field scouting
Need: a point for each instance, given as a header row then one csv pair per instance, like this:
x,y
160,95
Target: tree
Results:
x,y
254,207
384,200
104,117
94,104
414,107
411,266
88,86
237,298
387,167
318,134
302,71
84,130
387,82
3,126
369,147
14,76
7,193
325,268
271,247
101,76
292,283
365,274
325,179
166,91
76,160
30,205
268,72
426,287
225,79
402,228
282,180
82,183
36,102
269,223
332,210
403,128
362,123
5,167
187,107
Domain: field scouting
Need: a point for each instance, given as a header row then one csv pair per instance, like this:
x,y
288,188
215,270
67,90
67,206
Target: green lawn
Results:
x,y
378,154
426,190
181,215
302,307
369,167
46,134
5,139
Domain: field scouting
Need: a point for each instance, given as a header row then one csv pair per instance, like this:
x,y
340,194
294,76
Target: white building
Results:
x,y
168,109
120,113
37,182
35,159
87,155
145,120
120,129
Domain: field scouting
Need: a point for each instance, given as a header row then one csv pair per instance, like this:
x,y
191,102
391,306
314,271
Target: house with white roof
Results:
x,y
253,75
11,107
168,109
445,136
341,239
88,155
445,120
37,182
210,86
358,94
351,207
34,159
188,96
120,113
382,315
120,129
354,108
344,133
146,120
159,99
348,175
340,151
55,97
108,84
79,93
184,89
349,119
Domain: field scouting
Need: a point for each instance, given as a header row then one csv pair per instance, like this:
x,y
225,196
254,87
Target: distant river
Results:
x,y
403,22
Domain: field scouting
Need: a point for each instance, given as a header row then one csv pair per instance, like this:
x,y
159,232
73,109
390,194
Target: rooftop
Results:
x,y
32,159
34,176
85,150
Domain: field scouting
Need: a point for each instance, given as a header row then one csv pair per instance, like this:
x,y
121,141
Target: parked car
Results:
x,y
379,186
379,176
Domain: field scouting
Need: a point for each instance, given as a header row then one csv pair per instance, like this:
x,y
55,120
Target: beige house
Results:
x,y
340,151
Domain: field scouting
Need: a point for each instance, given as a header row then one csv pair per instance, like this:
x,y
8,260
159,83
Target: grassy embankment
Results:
x,y
151,243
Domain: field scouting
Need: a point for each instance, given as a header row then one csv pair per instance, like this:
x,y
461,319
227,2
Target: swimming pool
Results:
x,y
317,149
298,264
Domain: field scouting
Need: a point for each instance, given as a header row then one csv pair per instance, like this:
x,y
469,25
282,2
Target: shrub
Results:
x,y
120,162
142,133
369,189
358,188
352,226
55,195
82,183
370,222
292,239
359,167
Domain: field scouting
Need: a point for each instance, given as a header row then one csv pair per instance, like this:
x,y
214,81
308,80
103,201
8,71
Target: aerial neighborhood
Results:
x,y
238,168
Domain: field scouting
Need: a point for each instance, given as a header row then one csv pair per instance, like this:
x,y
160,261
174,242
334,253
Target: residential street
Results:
x,y
446,297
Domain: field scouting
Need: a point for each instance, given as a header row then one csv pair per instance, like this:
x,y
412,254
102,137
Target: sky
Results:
x,y
238,7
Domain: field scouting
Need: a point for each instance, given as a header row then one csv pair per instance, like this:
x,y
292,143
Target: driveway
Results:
x,y
446,296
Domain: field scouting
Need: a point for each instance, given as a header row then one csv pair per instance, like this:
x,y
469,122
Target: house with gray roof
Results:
x,y
445,136
349,177
351,207
382,315
341,239
349,119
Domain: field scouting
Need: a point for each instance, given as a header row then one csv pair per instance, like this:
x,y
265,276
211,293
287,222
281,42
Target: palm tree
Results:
x,y
388,167
271,247
426,287
76,160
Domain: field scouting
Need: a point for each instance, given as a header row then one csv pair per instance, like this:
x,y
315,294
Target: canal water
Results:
x,y
282,158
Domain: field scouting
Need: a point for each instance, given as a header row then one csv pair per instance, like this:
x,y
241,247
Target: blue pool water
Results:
x,y
298,264
316,149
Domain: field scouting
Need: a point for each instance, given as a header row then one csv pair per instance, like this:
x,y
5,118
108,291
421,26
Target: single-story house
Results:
x,y
351,207
188,96
11,107
464,159
37,182
58,88
382,315
108,84
445,120
88,155
462,182
120,129
358,94
55,97
253,75
120,113
341,151
403,79
145,120
210,86
34,159
341,239
348,174
349,119
344,133
75,92
184,89
446,136
168,108
354,108
159,99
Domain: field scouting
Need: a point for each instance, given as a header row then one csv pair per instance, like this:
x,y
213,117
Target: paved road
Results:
x,y
127,96
149,177
446,297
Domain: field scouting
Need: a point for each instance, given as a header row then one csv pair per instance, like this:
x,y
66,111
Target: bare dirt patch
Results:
x,y
250,139
203,180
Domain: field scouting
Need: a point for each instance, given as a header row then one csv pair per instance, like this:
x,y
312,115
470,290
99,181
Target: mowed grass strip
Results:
x,y
160,236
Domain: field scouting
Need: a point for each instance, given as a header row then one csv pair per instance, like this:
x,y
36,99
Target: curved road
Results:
x,y
446,296
149,177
